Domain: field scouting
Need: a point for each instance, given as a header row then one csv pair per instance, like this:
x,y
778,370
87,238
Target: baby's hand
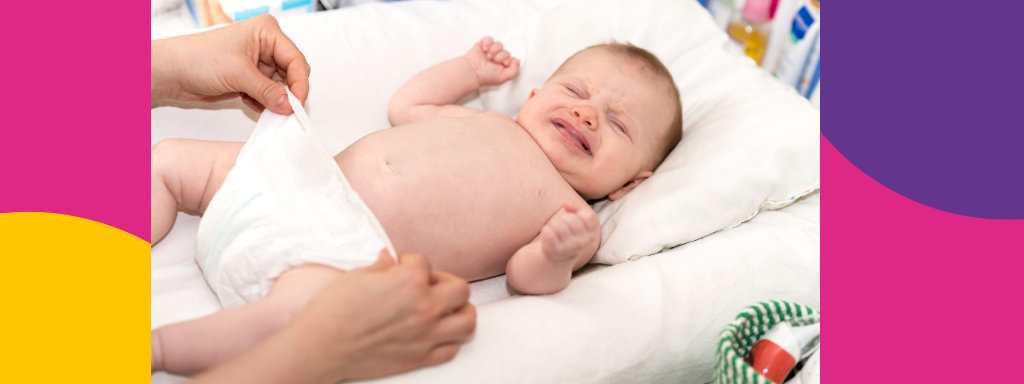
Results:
x,y
492,64
569,231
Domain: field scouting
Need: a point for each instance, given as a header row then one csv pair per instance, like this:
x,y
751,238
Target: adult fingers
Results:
x,y
252,103
441,354
414,261
450,292
457,326
297,77
276,47
265,91
384,261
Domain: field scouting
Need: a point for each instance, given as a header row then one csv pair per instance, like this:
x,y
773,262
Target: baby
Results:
x,y
478,193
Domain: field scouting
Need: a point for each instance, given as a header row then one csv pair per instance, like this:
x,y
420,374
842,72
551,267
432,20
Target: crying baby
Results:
x,y
478,193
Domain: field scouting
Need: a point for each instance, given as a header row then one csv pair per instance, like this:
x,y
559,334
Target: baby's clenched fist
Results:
x,y
569,231
493,65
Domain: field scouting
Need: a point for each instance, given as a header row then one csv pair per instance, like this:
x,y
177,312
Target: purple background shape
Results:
x,y
931,100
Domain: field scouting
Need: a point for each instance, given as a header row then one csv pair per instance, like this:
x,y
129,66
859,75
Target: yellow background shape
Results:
x,y
74,301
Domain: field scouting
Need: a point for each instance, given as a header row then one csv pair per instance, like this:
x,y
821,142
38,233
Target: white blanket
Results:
x,y
653,320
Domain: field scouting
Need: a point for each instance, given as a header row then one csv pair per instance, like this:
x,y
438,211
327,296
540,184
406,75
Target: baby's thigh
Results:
x,y
194,170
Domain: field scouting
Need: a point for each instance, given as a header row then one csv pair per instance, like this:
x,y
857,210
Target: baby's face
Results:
x,y
599,120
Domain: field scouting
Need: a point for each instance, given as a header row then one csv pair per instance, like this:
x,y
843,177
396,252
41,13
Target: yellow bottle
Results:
x,y
750,30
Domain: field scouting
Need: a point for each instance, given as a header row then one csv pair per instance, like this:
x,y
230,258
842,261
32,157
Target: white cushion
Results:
x,y
749,142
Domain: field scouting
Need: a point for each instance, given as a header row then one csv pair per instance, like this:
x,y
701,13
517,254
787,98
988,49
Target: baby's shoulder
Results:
x,y
497,115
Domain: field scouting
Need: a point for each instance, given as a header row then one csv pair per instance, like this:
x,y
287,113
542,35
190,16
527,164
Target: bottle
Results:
x,y
751,28
812,72
811,372
796,50
816,96
722,11
777,352
782,18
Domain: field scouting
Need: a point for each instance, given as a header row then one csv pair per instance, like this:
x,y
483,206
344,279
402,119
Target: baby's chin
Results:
x,y
588,192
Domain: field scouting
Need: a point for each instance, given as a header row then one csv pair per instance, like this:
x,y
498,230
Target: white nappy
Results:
x,y
284,204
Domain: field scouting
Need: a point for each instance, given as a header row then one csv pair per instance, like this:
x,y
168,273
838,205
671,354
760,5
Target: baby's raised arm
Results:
x,y
569,239
434,91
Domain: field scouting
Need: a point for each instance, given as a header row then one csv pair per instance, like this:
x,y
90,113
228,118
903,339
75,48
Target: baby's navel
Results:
x,y
387,167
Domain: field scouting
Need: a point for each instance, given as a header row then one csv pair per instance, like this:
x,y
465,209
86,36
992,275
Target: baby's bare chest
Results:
x,y
465,192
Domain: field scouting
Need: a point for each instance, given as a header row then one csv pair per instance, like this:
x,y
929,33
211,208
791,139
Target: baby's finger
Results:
x,y
495,48
513,68
562,228
589,219
501,57
547,235
485,43
576,225
570,207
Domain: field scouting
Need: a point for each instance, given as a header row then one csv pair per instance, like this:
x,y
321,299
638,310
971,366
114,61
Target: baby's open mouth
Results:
x,y
572,135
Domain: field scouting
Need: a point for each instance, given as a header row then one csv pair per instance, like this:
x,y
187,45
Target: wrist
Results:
x,y
162,68
473,70
565,258
312,361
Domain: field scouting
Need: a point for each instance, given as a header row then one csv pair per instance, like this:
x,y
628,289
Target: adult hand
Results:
x,y
245,58
370,322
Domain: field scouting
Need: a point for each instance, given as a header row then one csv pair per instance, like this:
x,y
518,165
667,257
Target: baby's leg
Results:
x,y
186,173
192,346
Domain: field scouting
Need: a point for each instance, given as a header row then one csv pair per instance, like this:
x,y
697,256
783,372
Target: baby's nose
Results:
x,y
585,117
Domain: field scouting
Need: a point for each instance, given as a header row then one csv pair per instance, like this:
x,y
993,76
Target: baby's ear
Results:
x,y
639,178
533,92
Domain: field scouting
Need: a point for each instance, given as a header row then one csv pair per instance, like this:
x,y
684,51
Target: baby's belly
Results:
x,y
466,197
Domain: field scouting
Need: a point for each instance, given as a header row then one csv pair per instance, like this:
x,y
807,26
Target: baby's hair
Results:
x,y
675,133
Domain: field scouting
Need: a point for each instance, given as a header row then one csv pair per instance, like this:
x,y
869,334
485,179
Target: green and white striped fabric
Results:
x,y
739,337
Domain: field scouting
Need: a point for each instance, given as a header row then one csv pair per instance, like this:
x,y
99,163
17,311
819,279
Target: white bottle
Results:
x,y
723,10
781,24
816,96
812,70
803,32
811,372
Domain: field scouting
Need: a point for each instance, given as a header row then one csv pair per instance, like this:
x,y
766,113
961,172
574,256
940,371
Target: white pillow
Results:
x,y
749,142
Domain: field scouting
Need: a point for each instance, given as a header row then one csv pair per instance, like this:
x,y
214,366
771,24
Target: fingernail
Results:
x,y
282,103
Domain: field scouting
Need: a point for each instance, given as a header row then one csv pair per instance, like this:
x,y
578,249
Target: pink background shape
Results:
x,y
74,139
916,294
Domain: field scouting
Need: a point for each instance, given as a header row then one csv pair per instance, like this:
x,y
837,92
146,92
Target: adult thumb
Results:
x,y
265,91
384,261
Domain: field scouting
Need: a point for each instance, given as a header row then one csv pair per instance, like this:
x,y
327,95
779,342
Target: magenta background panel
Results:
x,y
75,139
914,294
